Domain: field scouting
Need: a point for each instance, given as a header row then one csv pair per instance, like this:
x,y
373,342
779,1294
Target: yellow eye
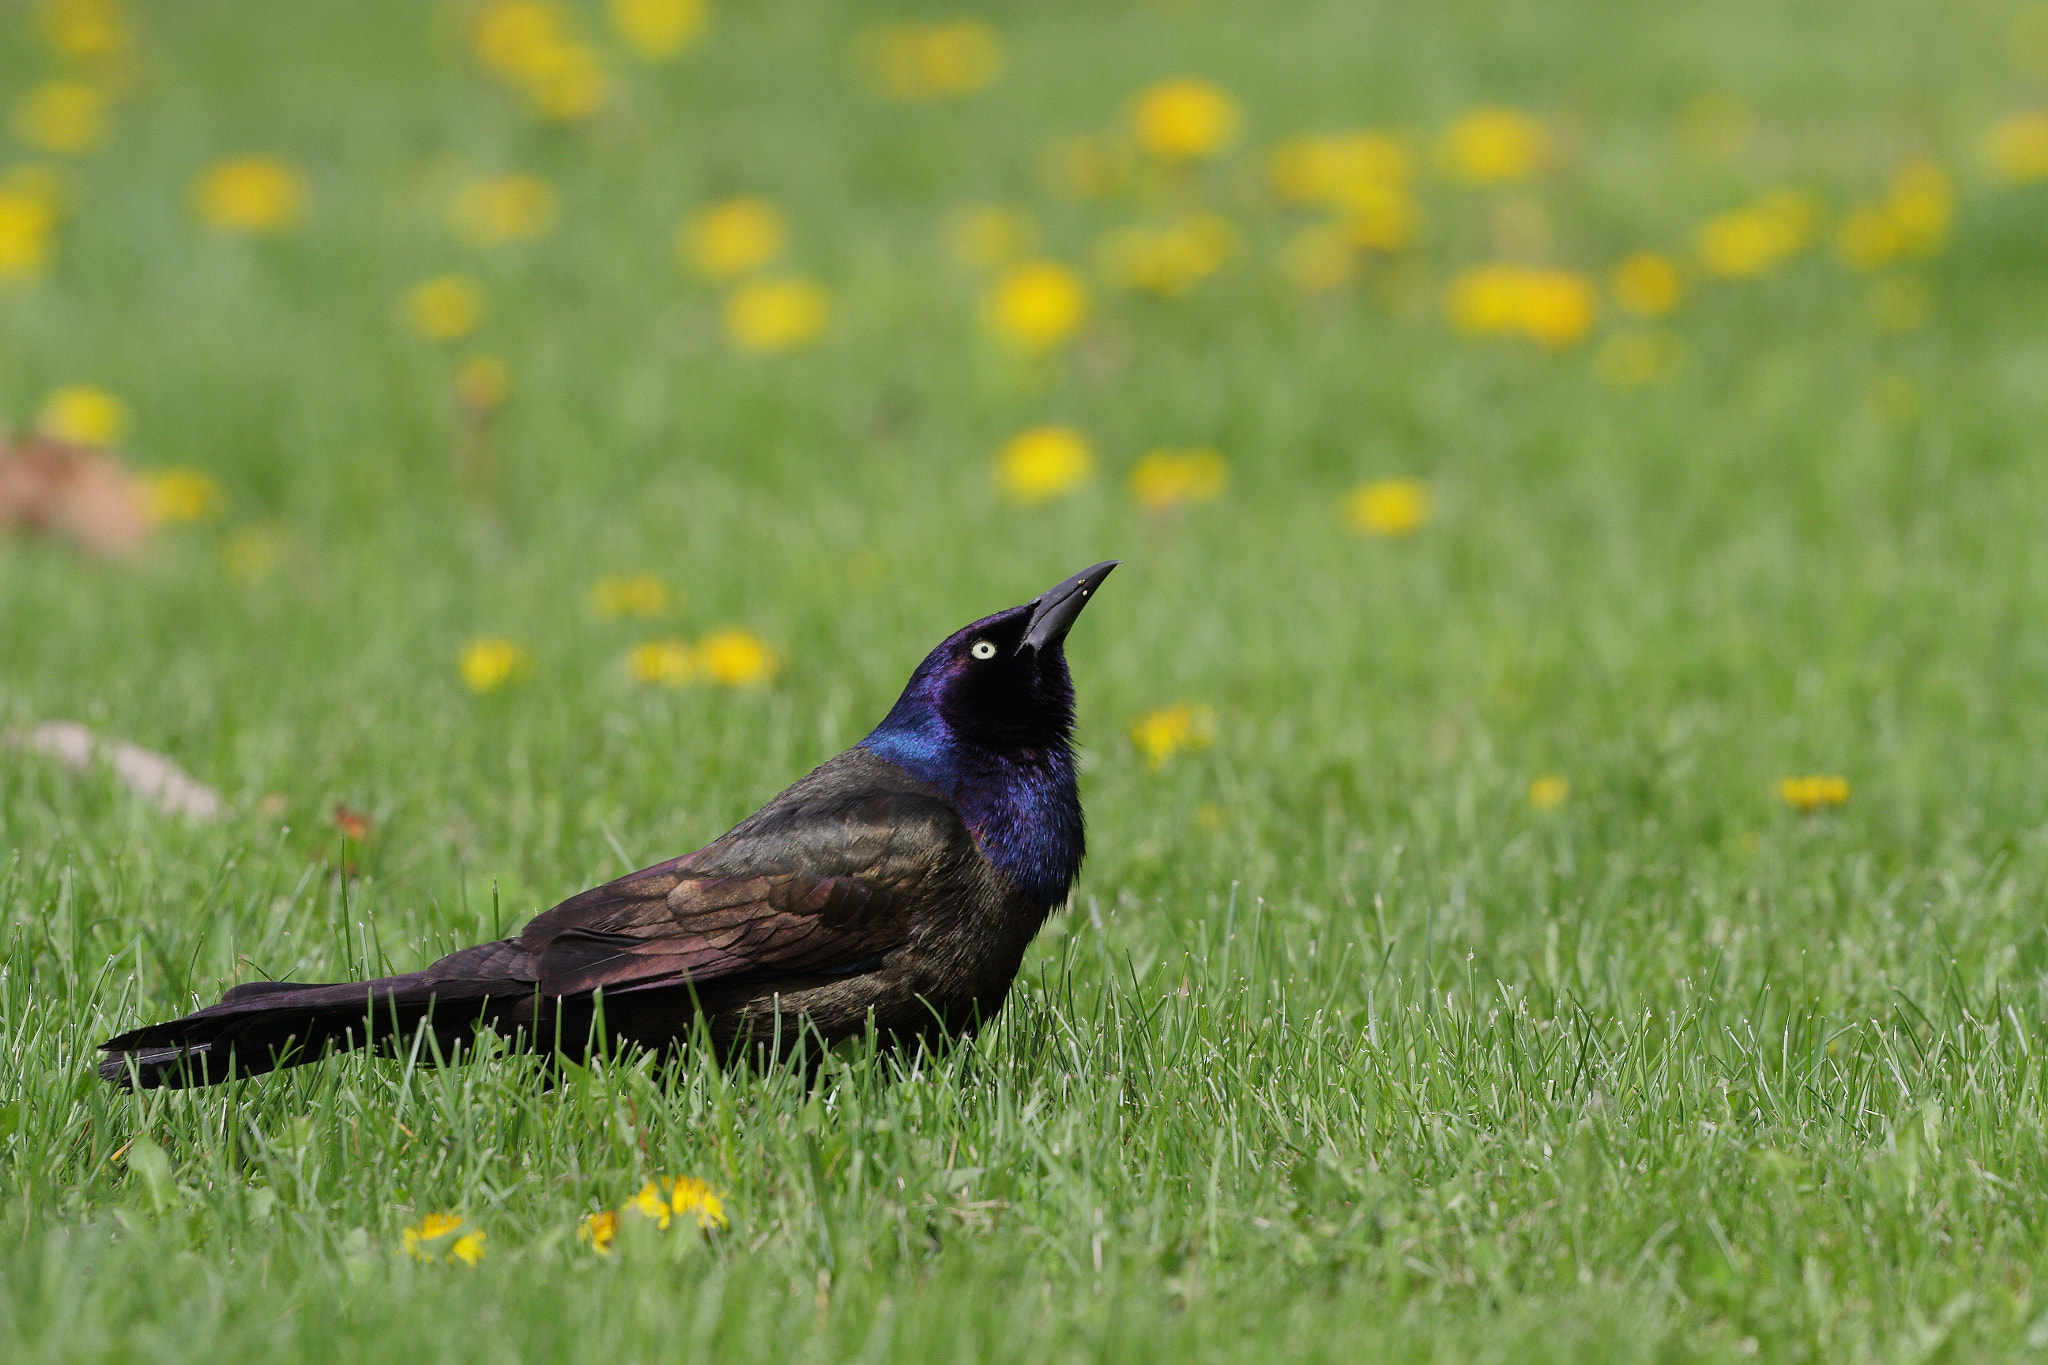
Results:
x,y
982,649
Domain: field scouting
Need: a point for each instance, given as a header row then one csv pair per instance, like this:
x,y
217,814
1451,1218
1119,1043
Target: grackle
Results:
x,y
898,883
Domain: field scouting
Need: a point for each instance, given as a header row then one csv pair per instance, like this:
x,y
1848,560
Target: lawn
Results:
x,y
562,427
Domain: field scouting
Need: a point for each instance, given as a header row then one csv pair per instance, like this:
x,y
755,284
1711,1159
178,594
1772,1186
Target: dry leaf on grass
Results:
x,y
145,772
53,488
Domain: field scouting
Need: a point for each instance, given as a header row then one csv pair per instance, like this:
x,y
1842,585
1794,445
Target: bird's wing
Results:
x,y
821,882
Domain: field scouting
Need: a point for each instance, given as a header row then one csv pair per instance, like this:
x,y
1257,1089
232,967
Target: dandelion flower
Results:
x,y
445,307
84,416
735,658
1554,307
1548,792
1168,479
1184,120
1169,260
1159,735
1749,242
1388,507
1378,217
656,30
1647,284
1812,793
26,221
1036,305
1921,204
986,235
176,495
1493,146
668,662
690,1197
504,208
640,594
439,1237
923,62
598,1231
489,664
483,383
62,116
731,237
1043,463
250,194
776,314
1323,169
2016,148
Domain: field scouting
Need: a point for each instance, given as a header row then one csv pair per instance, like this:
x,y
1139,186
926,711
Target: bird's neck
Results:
x,y
1023,808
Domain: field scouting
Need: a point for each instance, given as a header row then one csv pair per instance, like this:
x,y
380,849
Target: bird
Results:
x,y
894,888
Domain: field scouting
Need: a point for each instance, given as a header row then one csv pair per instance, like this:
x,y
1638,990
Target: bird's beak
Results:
x,y
1054,610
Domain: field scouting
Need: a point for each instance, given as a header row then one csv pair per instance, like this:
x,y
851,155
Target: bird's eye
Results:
x,y
982,649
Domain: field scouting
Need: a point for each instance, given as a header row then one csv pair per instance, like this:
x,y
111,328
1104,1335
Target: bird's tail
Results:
x,y
264,1025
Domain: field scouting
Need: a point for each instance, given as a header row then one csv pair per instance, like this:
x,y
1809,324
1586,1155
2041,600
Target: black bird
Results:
x,y
899,882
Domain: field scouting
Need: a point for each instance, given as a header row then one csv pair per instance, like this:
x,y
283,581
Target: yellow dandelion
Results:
x,y
1749,242
512,37
731,237
1632,359
1548,792
445,307
504,208
1168,479
175,495
922,62
1169,260
26,222
1647,284
777,314
1036,305
568,83
83,30
1318,258
483,383
735,658
598,1231
1159,735
1813,792
1378,217
250,194
655,30
1183,120
1043,463
439,1237
639,594
1388,507
1324,168
668,662
1494,145
83,415
1554,307
489,664
1921,204
251,555
690,1197
2016,148
986,235
62,116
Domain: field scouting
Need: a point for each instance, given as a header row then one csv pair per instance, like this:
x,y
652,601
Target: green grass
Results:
x,y
1342,1052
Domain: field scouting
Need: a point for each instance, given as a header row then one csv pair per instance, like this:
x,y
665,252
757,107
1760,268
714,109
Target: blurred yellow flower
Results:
x,y
62,116
1036,305
731,237
483,382
690,1197
83,29
1169,260
735,658
249,194
660,1202
1167,479
1159,735
598,1231
174,495
445,307
1900,303
640,594
528,44
1632,359
1647,284
1325,168
776,314
1378,217
1811,793
440,1237
25,224
1493,145
251,555
84,416
655,30
1921,204
489,664
1183,120
1388,507
1548,792
987,235
1749,242
2016,148
1318,257
668,662
932,61
1043,463
503,209
569,83
1554,307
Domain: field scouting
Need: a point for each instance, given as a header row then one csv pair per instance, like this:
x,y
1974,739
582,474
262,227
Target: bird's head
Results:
x,y
999,687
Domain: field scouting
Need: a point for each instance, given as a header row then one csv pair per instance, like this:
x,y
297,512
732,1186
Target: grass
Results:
x,y
1343,1051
